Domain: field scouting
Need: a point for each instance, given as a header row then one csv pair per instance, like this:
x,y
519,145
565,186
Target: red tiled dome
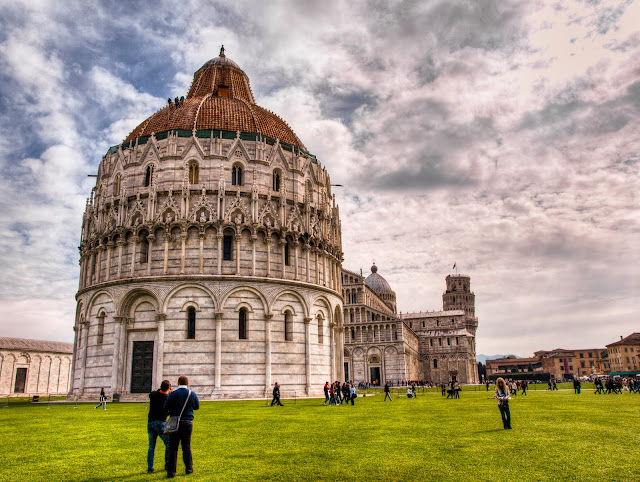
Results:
x,y
219,98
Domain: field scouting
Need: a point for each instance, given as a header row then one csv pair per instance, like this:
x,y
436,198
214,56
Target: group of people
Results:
x,y
164,403
336,394
452,389
618,385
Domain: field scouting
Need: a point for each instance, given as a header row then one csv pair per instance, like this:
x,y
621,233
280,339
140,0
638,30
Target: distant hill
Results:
x,y
483,358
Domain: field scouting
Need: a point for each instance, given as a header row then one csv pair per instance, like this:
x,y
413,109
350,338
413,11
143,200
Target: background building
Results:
x,y
384,346
34,367
624,355
557,364
211,246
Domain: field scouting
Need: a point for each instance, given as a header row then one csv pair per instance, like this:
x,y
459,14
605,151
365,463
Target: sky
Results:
x,y
503,136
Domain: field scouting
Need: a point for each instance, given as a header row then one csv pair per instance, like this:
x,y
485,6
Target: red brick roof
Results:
x,y
632,339
27,344
208,107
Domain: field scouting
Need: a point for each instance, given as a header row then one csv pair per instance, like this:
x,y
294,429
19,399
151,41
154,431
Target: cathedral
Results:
x,y
384,346
211,247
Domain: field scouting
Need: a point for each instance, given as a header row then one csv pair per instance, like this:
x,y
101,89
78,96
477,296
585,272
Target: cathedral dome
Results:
x,y
377,283
220,98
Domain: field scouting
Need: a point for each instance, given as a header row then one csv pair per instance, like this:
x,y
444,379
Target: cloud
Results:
x,y
502,136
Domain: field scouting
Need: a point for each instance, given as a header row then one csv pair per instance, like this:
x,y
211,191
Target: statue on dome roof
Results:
x,y
222,51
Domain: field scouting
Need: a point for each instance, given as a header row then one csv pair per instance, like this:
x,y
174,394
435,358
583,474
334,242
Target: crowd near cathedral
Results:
x,y
211,247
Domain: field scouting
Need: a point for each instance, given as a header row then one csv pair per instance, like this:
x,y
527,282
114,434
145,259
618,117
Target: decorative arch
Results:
x,y
95,296
132,299
172,293
265,303
297,296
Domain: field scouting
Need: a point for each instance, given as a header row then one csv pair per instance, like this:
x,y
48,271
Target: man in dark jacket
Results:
x,y
276,395
155,425
181,397
386,392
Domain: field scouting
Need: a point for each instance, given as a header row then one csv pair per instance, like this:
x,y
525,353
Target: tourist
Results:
x,y
413,390
599,387
103,399
524,386
443,389
487,385
181,400
326,392
503,396
549,383
338,392
156,422
555,385
276,395
456,389
386,393
346,393
353,394
410,393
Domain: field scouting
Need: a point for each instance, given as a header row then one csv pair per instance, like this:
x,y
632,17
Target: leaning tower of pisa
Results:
x,y
210,247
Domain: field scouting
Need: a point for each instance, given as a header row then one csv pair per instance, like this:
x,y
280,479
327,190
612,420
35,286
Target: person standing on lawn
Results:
x,y
352,394
103,399
156,421
386,393
173,406
502,395
276,395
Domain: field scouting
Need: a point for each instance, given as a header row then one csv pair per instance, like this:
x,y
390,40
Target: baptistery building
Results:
x,y
210,247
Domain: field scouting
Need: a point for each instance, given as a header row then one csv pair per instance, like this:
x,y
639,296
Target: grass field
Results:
x,y
556,436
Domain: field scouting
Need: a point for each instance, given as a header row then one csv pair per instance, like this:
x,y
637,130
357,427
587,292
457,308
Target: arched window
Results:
x,y
100,337
148,177
236,175
320,330
144,249
194,172
242,324
276,181
191,323
353,335
116,184
287,261
435,363
227,247
288,326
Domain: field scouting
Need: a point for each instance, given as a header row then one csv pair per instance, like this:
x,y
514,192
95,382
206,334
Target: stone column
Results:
x,y
267,352
101,248
201,253
92,264
108,269
219,254
315,250
151,239
85,340
119,353
159,365
283,243
254,238
306,251
121,244
134,243
340,348
295,250
332,351
238,240
183,252
268,242
218,367
73,362
307,353
167,238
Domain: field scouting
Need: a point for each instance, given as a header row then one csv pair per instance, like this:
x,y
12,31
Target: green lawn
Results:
x,y
556,435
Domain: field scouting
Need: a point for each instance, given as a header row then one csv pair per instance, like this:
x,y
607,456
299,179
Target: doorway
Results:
x,y
346,371
21,380
142,367
375,375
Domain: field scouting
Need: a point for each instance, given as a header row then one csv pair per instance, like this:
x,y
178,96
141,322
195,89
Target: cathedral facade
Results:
x,y
210,247
384,346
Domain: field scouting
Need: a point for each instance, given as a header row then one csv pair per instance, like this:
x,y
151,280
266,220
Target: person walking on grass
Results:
x,y
156,422
345,393
502,395
326,392
555,385
176,400
352,394
443,389
386,393
103,400
276,395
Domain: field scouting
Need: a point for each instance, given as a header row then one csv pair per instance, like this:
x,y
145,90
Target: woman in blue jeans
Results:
x,y
503,397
